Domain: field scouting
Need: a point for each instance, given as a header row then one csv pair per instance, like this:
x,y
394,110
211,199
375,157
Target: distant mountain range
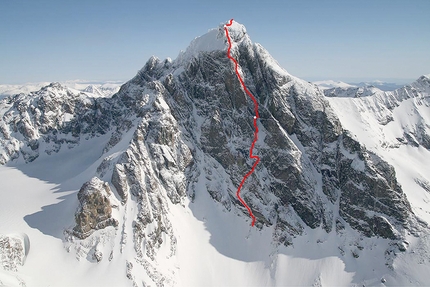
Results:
x,y
383,86
108,88
97,89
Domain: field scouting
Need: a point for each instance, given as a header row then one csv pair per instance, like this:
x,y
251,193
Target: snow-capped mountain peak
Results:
x,y
93,90
236,31
422,83
214,40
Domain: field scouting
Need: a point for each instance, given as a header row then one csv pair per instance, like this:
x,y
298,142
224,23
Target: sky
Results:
x,y
106,40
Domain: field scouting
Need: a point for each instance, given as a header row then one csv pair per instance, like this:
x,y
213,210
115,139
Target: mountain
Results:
x,y
95,89
384,86
393,125
9,90
332,84
139,189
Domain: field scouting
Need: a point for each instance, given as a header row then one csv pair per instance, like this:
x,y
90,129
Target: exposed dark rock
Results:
x,y
94,211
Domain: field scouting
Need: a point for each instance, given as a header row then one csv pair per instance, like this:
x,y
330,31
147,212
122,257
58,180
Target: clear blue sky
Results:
x,y
47,40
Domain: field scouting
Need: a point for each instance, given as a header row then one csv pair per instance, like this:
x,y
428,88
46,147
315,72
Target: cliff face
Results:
x,y
310,167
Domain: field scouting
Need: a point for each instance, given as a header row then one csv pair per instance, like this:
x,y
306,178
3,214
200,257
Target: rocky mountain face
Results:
x,y
95,208
52,118
191,126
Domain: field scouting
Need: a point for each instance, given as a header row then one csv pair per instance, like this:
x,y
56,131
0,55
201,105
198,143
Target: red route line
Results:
x,y
257,116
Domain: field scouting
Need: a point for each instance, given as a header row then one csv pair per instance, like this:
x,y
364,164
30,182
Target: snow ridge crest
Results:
x,y
213,40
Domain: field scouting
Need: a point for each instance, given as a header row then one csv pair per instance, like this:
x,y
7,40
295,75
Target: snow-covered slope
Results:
x,y
396,126
139,189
